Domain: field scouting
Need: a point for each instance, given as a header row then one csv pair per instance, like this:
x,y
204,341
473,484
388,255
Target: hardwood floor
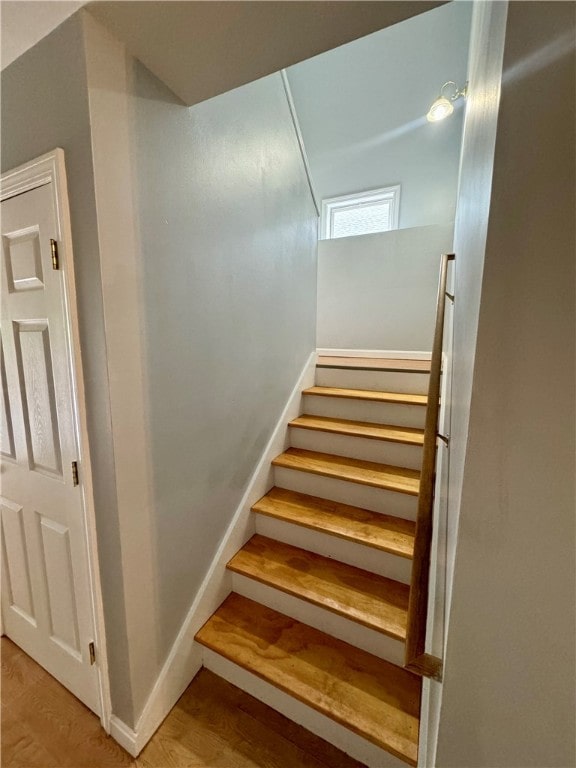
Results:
x,y
214,725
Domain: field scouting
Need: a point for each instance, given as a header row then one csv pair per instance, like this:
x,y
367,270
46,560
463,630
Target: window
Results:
x,y
360,214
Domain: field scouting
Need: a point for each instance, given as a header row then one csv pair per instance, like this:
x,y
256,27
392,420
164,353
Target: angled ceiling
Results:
x,y
25,23
201,49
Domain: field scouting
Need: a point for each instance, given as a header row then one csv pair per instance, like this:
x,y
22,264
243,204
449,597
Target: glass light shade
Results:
x,y
439,110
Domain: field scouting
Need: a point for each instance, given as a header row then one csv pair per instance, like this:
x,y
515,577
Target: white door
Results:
x,y
46,597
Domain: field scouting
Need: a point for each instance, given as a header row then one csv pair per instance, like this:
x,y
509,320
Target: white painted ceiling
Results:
x,y
24,22
199,48
362,108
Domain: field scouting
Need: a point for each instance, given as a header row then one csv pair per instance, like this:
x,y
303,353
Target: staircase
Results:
x,y
316,622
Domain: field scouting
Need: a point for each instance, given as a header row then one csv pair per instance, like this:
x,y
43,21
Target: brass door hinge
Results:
x,y
92,653
74,473
54,252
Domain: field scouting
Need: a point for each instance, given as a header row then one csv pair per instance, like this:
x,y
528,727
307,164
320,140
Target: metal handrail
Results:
x,y
416,659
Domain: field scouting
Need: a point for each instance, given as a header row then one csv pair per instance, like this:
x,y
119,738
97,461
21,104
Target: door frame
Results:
x,y
50,169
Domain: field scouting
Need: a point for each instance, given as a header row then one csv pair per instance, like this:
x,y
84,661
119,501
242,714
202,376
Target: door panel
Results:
x,y
32,346
23,261
6,433
57,562
46,595
15,556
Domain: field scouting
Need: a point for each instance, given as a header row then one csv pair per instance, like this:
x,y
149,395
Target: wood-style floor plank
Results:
x,y
351,428
370,473
44,725
17,673
398,398
362,596
372,697
374,363
220,726
213,725
390,534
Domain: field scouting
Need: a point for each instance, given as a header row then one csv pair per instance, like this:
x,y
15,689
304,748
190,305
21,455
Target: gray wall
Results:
x,y
509,689
228,261
45,105
379,291
362,108
471,228
228,238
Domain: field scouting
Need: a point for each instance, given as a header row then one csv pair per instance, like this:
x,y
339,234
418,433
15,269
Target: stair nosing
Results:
x,y
381,485
380,369
366,395
351,433
309,701
390,548
319,601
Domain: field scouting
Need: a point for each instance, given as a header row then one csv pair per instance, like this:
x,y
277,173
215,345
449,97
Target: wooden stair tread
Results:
x,y
373,698
369,599
372,529
351,428
400,398
370,473
373,364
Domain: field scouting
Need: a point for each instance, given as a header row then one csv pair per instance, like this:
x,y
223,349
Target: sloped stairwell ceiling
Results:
x,y
201,49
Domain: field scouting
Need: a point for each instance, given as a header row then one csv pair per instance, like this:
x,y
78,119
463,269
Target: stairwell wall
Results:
x,y
508,692
379,291
206,211
45,105
227,231
195,256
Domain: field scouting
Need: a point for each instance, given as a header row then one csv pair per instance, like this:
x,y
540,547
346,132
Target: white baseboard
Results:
x,y
185,657
389,354
124,735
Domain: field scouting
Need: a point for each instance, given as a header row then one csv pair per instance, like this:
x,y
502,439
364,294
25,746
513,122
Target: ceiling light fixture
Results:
x,y
444,106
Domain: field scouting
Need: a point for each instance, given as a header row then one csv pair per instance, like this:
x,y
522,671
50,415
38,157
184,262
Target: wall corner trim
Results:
x,y
185,658
296,123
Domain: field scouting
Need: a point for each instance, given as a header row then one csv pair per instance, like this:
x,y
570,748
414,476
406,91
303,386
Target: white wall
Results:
x,y
24,24
471,228
195,255
478,142
362,108
208,250
379,291
45,105
228,249
509,687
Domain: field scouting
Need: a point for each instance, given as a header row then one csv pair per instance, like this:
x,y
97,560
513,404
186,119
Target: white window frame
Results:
x,y
331,204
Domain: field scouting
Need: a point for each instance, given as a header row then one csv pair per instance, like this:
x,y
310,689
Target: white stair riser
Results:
x,y
350,552
364,410
330,623
350,743
365,496
381,451
382,381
